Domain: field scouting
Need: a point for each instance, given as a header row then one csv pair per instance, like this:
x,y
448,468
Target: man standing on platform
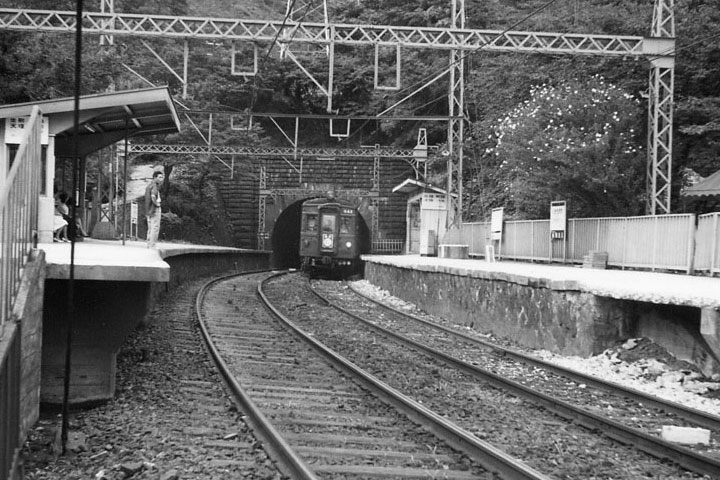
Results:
x,y
152,208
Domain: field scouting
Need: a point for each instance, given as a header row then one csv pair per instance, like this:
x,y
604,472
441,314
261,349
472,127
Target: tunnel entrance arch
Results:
x,y
285,236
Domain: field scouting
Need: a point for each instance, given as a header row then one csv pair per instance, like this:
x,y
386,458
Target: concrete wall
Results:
x,y
105,312
568,322
186,266
28,310
190,265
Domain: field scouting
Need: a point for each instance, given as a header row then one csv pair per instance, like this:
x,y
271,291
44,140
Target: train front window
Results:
x,y
327,223
345,225
310,223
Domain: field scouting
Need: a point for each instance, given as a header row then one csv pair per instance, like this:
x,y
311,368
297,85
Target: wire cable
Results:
x,y
462,58
480,48
256,77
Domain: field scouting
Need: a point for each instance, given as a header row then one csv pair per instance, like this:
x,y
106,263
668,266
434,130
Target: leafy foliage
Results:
x,y
574,142
602,178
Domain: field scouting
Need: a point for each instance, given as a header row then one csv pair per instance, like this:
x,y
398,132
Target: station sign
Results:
x,y
433,201
496,223
558,219
15,128
134,213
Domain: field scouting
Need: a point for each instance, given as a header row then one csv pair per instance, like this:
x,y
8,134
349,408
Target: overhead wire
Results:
x,y
256,77
674,50
478,49
460,59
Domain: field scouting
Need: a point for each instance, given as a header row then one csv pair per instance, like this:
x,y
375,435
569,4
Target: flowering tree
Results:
x,y
579,142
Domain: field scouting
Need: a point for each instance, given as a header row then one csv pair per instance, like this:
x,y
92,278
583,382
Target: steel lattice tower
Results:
x,y
660,114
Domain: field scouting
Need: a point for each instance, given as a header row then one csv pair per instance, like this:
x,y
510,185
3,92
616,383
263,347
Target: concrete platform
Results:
x,y
654,287
115,287
565,309
111,260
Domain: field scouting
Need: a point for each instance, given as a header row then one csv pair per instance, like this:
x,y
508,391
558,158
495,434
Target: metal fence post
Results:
x,y
692,231
714,246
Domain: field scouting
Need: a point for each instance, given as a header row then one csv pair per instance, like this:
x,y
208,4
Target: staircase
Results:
x,y
239,198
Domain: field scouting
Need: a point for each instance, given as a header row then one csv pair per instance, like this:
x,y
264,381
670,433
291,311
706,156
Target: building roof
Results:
x,y
411,186
708,187
104,118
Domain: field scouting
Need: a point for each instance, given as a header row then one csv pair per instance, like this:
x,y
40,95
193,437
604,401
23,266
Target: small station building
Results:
x,y
104,119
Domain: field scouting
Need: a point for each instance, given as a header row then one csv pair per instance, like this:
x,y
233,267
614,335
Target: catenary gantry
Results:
x,y
340,34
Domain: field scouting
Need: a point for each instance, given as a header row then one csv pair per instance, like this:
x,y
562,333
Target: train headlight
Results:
x,y
348,244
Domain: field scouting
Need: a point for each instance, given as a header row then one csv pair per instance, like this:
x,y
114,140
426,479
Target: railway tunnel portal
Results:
x,y
285,237
263,206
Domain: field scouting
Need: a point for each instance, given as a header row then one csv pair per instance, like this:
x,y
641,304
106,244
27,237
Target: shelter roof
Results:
x,y
708,187
104,118
410,186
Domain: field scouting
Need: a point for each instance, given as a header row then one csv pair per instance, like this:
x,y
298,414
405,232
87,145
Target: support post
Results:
x,y
456,123
660,113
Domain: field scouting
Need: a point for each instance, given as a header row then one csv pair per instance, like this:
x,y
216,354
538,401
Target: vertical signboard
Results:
x,y
496,224
558,219
558,225
133,219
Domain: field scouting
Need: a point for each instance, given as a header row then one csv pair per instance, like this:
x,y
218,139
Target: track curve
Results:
x,y
317,421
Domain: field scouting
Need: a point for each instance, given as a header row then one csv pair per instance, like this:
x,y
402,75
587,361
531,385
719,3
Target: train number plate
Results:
x,y
327,240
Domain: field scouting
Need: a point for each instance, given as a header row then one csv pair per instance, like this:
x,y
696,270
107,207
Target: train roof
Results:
x,y
326,200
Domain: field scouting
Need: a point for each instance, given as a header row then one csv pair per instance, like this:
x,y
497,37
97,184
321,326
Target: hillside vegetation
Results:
x,y
255,9
540,127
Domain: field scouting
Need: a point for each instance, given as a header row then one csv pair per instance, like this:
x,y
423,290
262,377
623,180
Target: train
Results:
x,y
333,235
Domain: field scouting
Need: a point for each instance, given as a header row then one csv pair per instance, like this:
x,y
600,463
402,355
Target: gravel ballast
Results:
x,y
170,418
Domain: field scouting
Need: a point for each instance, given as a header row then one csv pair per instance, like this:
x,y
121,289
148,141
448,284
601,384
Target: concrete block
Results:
x,y
710,331
104,231
453,251
685,435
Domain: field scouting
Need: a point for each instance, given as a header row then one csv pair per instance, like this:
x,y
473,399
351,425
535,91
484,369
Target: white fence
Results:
x,y
19,198
19,195
388,246
707,246
659,242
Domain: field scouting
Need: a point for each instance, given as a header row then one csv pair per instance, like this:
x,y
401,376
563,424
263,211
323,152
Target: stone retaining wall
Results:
x,y
193,265
28,308
563,321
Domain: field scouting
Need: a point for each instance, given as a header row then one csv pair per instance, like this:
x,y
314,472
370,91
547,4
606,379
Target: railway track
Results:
x,y
610,393
552,444
315,416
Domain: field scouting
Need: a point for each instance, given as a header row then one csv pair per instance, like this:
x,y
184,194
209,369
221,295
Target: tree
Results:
x,y
577,141
697,82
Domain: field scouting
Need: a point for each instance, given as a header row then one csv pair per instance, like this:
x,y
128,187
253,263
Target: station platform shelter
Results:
x,y
570,310
115,285
32,137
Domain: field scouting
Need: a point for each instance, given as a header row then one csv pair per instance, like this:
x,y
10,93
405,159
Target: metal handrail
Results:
x,y
19,199
388,246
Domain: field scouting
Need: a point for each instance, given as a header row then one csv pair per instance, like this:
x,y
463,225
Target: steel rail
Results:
x,y
288,460
643,441
166,26
704,419
489,456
